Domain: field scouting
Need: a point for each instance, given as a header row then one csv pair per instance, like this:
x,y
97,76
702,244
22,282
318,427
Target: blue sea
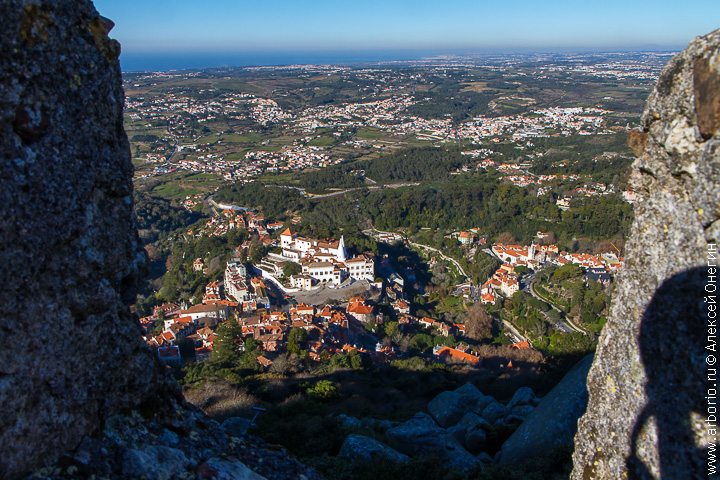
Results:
x,y
140,62
162,62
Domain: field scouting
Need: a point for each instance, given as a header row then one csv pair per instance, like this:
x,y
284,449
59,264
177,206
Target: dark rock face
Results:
x,y
549,429
645,414
71,353
473,397
471,431
172,440
447,408
522,397
494,412
158,462
422,436
221,469
366,449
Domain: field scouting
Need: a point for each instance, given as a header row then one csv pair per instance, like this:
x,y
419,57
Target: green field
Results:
x,y
323,141
179,186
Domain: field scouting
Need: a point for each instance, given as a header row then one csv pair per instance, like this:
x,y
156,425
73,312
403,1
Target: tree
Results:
x,y
291,268
521,270
296,340
152,252
485,265
323,389
339,361
251,345
421,342
478,323
449,340
392,330
355,360
565,272
227,348
257,251
248,359
549,239
506,237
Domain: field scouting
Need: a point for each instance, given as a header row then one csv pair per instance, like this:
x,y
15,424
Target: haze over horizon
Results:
x,y
190,34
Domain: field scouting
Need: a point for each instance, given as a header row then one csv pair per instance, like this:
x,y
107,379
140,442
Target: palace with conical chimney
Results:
x,y
324,261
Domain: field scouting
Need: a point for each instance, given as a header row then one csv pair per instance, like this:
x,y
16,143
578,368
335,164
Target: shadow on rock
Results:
x,y
672,348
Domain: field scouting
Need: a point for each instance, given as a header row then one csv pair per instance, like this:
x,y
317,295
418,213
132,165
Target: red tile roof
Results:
x,y
456,354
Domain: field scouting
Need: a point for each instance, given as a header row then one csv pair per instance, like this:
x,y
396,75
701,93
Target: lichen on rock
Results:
x,y
647,381
82,396
71,352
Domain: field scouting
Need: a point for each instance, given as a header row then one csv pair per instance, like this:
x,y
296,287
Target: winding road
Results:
x,y
566,321
512,330
343,191
425,247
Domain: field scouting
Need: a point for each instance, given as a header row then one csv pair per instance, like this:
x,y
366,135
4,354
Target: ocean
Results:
x,y
139,62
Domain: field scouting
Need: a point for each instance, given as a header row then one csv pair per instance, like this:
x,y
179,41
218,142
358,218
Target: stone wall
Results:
x,y
71,353
646,384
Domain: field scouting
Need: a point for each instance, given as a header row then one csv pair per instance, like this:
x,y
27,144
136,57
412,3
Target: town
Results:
x,y
334,243
310,268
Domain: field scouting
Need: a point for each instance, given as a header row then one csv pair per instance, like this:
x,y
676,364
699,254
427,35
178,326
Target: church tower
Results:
x,y
286,238
341,252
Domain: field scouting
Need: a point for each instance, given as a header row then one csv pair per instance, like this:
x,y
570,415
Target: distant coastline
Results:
x,y
138,62
166,61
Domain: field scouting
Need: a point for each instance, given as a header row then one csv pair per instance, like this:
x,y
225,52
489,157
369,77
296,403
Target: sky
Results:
x,y
447,26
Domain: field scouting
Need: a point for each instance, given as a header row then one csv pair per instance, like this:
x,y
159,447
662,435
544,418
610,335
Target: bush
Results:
x,y
415,364
323,389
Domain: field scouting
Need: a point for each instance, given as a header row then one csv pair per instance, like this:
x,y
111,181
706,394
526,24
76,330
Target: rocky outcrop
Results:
x,y
524,396
447,408
71,353
167,439
365,449
223,469
154,461
82,397
422,436
548,431
419,432
457,430
471,431
350,422
646,385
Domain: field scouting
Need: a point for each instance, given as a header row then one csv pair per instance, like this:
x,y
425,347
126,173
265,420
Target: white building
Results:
x,y
361,267
302,281
296,247
514,254
324,261
235,281
325,272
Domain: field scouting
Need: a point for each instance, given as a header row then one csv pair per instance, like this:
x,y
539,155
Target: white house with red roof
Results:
x,y
465,238
401,306
503,281
361,311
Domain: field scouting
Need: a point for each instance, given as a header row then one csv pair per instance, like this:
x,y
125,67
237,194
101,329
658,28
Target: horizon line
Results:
x,y
425,56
